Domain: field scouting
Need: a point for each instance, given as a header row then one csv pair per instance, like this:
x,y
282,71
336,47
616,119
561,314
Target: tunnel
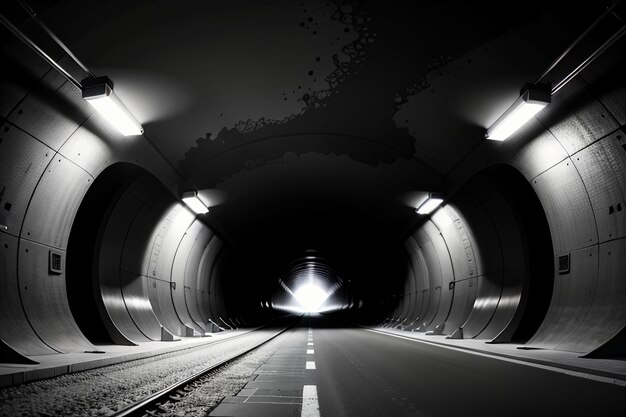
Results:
x,y
328,167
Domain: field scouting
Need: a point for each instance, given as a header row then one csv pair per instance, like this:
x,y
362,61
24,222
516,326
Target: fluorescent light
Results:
x,y
522,110
99,93
433,201
193,202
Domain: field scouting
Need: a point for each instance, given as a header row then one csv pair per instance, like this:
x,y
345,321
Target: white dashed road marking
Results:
x,y
310,405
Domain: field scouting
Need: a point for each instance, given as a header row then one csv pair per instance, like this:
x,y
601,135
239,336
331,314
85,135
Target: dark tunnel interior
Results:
x,y
311,133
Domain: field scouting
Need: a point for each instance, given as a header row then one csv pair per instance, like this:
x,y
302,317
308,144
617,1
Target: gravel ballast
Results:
x,y
102,391
226,382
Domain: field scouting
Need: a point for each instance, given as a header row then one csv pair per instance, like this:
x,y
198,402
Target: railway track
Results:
x,y
158,402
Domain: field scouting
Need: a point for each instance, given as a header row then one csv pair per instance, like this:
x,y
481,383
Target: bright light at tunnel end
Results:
x,y
311,298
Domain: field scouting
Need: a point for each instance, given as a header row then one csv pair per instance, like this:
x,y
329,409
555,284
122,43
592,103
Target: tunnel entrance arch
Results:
x,y
515,246
81,263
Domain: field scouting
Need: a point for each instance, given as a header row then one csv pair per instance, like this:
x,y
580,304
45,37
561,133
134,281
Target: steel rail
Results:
x,y
150,404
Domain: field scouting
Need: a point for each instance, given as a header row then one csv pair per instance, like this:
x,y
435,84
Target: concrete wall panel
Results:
x,y
141,235
514,260
22,162
204,274
447,276
488,292
216,295
55,202
464,297
15,329
89,150
532,157
602,167
113,246
120,262
168,235
607,315
454,232
191,299
417,299
44,298
160,295
571,300
487,283
135,295
420,269
579,126
406,306
179,266
606,81
434,275
566,203
52,112
192,280
481,230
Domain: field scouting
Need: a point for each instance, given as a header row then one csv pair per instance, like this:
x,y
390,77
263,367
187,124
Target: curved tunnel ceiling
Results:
x,y
314,121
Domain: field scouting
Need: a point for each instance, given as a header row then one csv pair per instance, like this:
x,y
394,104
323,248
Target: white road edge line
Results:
x,y
310,405
310,365
577,374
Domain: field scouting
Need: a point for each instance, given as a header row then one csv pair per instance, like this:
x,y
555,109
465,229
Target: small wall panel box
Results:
x,y
564,264
55,263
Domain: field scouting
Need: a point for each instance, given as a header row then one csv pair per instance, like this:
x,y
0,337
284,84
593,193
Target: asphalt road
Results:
x,y
361,373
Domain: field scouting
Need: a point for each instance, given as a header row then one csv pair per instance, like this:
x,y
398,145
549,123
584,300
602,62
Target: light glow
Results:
x,y
192,201
310,297
521,111
430,204
106,102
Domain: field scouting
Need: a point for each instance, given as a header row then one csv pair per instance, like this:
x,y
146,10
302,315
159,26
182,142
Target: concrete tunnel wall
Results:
x,y
156,261
467,261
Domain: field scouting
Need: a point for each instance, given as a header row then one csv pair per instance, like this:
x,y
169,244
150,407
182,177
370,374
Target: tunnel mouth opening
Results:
x,y
81,263
311,297
310,285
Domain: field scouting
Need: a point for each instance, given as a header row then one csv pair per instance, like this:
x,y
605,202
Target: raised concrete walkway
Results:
x,y
64,363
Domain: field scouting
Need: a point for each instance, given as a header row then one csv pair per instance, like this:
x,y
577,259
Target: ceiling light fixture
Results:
x,y
536,96
191,199
99,93
433,201
528,104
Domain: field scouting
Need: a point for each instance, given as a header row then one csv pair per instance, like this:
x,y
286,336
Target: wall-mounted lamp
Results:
x,y
528,104
433,201
535,97
194,203
99,93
